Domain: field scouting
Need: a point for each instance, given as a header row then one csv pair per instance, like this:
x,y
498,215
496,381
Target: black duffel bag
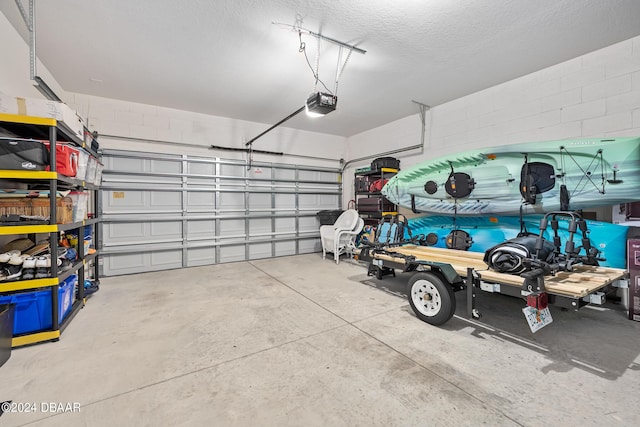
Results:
x,y
509,256
385,162
21,154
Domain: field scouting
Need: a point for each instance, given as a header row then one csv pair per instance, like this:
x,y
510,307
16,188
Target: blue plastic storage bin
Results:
x,y
88,231
33,309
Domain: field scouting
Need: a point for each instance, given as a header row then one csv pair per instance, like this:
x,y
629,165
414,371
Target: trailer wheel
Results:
x,y
430,298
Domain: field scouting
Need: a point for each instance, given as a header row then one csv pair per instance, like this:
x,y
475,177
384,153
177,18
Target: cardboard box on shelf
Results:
x,y
37,207
43,108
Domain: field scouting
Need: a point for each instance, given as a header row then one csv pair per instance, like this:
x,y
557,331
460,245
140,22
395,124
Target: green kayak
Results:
x,y
540,177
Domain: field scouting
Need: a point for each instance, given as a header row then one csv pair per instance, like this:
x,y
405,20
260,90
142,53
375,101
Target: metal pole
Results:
x,y
32,38
339,43
423,111
320,36
298,111
29,21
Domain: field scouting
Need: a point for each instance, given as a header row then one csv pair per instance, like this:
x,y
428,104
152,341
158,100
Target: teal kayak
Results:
x,y
540,177
488,231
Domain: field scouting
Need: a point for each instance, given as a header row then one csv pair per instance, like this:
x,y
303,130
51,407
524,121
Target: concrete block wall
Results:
x,y
183,132
594,95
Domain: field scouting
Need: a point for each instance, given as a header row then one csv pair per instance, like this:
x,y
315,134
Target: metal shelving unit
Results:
x,y
53,131
372,218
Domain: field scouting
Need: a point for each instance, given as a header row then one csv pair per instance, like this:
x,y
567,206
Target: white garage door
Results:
x,y
169,211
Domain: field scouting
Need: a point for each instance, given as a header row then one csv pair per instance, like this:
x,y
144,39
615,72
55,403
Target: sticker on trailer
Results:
x,y
537,319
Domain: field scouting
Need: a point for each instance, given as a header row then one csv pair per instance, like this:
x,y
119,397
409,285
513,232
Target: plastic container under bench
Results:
x,y
6,328
33,309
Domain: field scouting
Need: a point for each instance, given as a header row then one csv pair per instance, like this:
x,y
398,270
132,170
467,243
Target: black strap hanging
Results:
x,y
523,226
564,198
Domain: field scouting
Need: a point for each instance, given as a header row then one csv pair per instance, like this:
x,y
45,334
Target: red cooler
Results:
x,y
66,159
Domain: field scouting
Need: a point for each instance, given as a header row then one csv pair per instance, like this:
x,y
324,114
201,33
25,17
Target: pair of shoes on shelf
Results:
x,y
29,268
9,255
38,267
33,264
17,257
11,265
43,266
10,272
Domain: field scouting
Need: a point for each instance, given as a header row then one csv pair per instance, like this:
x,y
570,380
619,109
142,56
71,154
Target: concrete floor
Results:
x,y
302,341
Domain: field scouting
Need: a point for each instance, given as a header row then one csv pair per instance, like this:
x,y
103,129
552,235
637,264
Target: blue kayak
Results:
x,y
488,231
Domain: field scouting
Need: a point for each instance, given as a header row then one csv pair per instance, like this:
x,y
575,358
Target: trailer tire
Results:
x,y
430,298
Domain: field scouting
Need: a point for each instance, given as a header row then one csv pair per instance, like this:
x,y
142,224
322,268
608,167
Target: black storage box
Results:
x,y
375,204
329,217
362,184
385,162
6,331
18,154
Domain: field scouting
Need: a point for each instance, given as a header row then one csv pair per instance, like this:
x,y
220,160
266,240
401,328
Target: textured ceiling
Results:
x,y
227,58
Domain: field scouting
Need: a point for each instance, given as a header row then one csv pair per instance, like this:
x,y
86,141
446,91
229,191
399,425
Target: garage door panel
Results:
x,y
203,182
201,256
319,201
166,229
200,200
259,250
310,245
123,200
259,201
232,201
309,224
285,201
286,224
260,173
308,175
200,229
165,199
123,164
232,170
201,168
117,264
289,174
330,201
124,232
165,166
285,248
231,227
232,253
162,211
260,226
167,259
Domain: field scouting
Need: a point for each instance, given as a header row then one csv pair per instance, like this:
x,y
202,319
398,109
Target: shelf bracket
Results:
x,y
30,22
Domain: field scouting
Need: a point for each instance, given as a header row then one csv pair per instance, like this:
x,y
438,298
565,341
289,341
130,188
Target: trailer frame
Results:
x,y
384,260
